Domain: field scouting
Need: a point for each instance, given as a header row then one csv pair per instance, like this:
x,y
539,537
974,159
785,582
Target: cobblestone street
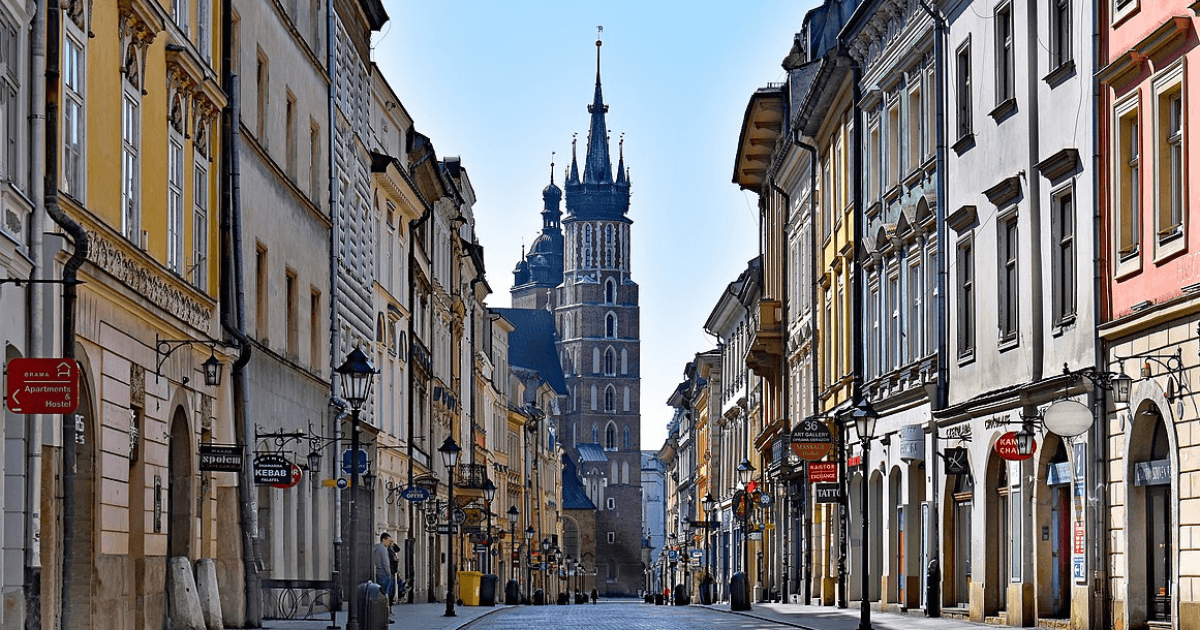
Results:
x,y
622,616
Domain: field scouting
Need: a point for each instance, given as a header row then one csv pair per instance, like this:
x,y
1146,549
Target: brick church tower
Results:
x,y
595,304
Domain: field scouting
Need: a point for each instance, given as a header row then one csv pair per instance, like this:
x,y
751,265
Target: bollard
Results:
x,y
185,601
210,596
739,592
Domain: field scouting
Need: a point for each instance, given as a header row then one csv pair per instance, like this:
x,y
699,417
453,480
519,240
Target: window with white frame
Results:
x,y
1009,298
610,399
931,127
131,145
610,291
916,124
204,28
179,13
916,303
200,207
11,46
73,131
1063,261
1169,157
610,325
872,165
1123,8
175,199
1127,180
610,504
965,263
1005,62
874,308
963,95
1060,33
894,154
893,322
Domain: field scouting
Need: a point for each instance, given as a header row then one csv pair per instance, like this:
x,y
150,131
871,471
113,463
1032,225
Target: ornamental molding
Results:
x,y
168,294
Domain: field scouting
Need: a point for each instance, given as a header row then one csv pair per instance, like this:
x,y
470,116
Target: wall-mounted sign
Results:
x,y
811,439
270,469
957,461
292,480
415,494
42,386
1006,447
822,471
220,458
827,492
912,443
1154,473
1068,418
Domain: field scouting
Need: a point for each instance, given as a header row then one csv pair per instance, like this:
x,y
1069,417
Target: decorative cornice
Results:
x,y
962,219
1059,164
1005,191
170,295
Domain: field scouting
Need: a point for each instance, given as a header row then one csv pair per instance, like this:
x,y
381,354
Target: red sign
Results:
x,y
293,479
1006,447
42,386
822,471
1080,538
854,460
811,440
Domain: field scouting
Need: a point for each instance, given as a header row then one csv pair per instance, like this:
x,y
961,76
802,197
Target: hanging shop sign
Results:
x,y
827,492
270,469
741,505
1068,418
912,443
292,480
416,494
1006,447
811,439
957,461
220,458
822,471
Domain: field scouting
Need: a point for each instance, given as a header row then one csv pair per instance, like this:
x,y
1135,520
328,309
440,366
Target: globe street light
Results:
x,y
450,451
355,377
864,422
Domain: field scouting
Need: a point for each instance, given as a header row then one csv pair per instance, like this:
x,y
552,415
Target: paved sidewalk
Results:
x,y
408,617
834,618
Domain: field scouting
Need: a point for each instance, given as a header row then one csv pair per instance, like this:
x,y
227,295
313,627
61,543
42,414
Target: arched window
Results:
x,y
628,442
610,325
610,437
595,434
624,361
595,360
610,403
610,362
610,291
587,245
626,398
608,245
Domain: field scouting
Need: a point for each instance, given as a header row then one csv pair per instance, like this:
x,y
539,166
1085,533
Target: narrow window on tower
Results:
x,y
610,291
610,402
610,326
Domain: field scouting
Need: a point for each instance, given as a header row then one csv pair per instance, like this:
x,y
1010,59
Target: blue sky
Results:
x,y
504,83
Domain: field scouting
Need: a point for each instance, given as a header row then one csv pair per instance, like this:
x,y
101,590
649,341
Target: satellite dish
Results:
x,y
1068,418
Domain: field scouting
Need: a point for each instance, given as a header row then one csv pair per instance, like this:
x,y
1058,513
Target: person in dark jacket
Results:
x,y
595,596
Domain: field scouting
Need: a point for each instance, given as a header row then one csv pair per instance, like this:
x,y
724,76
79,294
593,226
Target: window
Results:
x,y
314,160
966,297
894,154
915,327
73,132
894,351
11,46
131,132
875,338
314,331
627,441
260,292
610,402
1063,262
587,246
610,504
610,291
204,29
612,538
179,13
262,82
1005,65
1170,165
610,437
826,201
292,314
610,362
916,125
1128,182
200,226
1008,296
873,165
964,90
931,126
1060,32
1123,8
175,200
289,121
610,326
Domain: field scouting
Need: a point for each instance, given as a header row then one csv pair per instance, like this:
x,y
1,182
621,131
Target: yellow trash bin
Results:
x,y
468,587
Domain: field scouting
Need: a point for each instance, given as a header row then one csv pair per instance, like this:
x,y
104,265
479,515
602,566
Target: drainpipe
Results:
x,y
856,313
933,572
335,329
79,238
36,305
783,300
412,399
1037,316
812,309
1098,615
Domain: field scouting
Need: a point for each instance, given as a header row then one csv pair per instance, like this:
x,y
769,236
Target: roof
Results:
x,y
531,344
573,495
591,453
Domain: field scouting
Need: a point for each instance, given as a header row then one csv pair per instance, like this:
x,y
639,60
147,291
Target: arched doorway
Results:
x,y
1055,515
876,534
998,538
1151,526
180,498
895,529
79,558
959,504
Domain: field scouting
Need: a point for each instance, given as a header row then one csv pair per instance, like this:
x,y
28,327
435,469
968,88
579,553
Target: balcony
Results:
x,y
469,480
765,356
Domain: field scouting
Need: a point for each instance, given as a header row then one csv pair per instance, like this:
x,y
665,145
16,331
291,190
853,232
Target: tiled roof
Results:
x,y
531,345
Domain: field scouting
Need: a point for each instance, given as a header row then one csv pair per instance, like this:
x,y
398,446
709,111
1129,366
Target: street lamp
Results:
x,y
450,451
529,532
709,504
356,380
513,514
489,493
864,421
544,563
745,472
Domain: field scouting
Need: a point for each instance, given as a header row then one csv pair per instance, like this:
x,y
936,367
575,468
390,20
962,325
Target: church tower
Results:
x,y
598,323
579,269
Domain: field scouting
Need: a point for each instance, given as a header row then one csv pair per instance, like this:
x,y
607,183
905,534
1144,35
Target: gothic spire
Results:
x,y
573,175
621,160
597,165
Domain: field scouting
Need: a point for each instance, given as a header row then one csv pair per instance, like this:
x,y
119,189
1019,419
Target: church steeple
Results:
x,y
573,175
597,165
551,198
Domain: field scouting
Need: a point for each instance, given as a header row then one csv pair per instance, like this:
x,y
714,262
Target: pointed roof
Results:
x,y
597,164
574,496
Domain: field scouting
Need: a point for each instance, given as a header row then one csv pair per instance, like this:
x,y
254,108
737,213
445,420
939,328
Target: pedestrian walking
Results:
x,y
381,560
595,595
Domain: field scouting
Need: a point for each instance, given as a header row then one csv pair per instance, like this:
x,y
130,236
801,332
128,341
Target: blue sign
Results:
x,y
347,460
415,493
